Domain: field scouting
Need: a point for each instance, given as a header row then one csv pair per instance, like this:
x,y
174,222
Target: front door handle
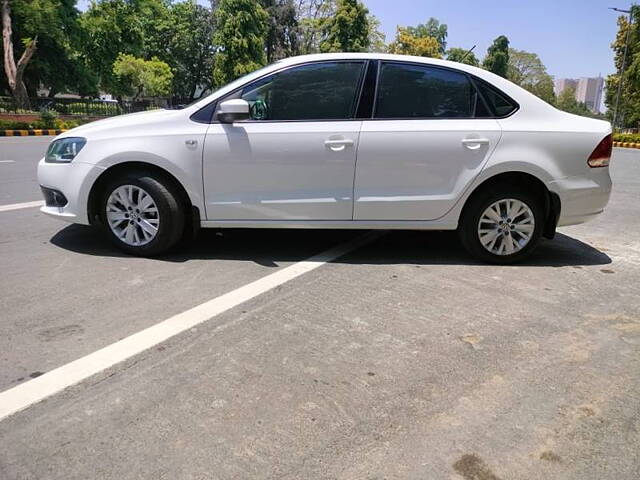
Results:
x,y
474,143
338,145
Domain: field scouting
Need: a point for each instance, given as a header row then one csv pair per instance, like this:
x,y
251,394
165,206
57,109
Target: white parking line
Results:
x,y
7,161
18,206
33,391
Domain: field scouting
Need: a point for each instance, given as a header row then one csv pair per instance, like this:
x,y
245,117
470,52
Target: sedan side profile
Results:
x,y
347,140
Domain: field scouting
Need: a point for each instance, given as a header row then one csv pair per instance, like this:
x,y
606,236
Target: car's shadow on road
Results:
x,y
273,247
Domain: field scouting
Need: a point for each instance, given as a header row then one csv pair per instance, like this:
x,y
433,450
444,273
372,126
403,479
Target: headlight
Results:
x,y
64,150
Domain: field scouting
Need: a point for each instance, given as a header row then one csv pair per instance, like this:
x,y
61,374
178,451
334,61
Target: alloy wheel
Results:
x,y
132,215
506,226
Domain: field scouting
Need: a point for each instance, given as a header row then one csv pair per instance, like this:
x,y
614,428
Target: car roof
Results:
x,y
318,57
366,56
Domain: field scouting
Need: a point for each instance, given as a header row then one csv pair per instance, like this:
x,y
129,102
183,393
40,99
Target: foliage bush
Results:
x,y
96,109
13,125
86,108
56,123
48,118
626,137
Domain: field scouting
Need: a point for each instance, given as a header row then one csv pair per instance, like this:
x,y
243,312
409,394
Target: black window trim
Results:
x,y
365,84
354,106
472,80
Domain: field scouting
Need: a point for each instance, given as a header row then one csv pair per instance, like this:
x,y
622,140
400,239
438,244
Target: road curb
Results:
x,y
32,132
626,144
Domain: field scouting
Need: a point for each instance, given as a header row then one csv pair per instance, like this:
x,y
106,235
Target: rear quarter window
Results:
x,y
500,104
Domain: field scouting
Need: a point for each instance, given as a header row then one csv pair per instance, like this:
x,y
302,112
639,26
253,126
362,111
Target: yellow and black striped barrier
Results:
x,y
626,145
31,133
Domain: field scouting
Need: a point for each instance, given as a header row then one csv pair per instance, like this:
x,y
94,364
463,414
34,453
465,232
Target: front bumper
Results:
x,y
582,198
73,180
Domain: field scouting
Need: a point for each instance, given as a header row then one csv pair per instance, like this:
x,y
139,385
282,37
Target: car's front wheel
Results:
x,y
142,213
502,226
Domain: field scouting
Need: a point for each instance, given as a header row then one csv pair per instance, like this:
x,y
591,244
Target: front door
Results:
x,y
295,158
426,142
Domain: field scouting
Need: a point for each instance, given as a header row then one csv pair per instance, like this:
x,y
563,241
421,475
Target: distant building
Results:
x,y
561,84
588,90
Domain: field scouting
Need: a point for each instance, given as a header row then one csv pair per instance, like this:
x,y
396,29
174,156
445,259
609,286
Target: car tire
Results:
x,y
489,234
142,213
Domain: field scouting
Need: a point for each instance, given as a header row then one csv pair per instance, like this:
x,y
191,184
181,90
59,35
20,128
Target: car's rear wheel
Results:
x,y
502,226
142,213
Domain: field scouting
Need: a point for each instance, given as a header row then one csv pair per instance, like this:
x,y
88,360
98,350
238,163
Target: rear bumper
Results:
x,y
582,198
73,180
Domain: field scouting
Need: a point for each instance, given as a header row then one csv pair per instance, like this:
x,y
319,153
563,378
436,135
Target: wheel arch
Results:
x,y
530,182
192,212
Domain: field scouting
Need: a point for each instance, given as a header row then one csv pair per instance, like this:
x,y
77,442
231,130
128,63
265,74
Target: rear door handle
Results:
x,y
338,145
474,143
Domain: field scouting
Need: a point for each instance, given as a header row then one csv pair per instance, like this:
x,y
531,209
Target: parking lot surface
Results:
x,y
403,359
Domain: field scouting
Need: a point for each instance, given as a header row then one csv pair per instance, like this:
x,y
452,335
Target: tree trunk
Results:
x,y
13,71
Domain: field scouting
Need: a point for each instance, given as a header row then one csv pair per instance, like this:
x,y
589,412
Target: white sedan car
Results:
x,y
346,140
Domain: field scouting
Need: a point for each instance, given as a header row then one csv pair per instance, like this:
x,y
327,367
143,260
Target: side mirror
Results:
x,y
233,111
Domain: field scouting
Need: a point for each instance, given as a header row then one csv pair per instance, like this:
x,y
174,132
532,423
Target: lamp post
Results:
x,y
624,62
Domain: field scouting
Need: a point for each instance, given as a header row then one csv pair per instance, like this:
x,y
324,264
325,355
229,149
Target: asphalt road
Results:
x,y
403,359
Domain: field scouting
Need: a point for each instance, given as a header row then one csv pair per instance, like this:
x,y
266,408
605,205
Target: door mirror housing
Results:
x,y
233,110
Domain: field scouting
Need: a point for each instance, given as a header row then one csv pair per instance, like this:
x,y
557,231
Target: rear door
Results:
x,y
295,158
428,139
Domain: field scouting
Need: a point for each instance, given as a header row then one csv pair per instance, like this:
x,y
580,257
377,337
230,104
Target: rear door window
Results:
x,y
415,91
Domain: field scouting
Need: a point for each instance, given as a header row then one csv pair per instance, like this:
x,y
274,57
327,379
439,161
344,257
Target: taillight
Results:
x,y
602,154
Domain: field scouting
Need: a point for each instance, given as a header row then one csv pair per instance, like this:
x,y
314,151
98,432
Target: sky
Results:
x,y
572,37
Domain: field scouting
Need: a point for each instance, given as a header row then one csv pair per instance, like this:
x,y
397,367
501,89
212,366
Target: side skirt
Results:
x,y
331,224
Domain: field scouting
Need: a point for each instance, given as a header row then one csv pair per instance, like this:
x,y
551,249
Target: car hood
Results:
x,y
121,121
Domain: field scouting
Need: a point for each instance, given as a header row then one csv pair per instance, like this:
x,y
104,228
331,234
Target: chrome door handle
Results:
x,y
191,143
338,144
474,143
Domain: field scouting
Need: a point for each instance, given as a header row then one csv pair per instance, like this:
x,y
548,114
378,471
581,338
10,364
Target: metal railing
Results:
x,y
76,106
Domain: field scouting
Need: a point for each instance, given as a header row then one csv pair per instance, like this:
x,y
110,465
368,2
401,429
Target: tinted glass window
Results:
x,y
205,114
320,91
414,91
498,102
482,111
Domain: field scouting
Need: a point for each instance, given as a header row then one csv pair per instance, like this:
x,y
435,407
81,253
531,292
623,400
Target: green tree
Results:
x,y
376,35
408,44
312,15
40,38
240,37
14,71
347,30
191,52
462,55
567,101
527,70
135,27
434,29
150,78
282,37
497,59
629,106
